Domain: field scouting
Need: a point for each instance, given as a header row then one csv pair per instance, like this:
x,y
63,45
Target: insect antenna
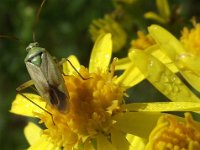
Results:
x,y
37,19
14,38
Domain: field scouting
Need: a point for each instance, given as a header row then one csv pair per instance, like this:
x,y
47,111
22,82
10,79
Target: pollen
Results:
x,y
190,39
172,134
143,41
93,101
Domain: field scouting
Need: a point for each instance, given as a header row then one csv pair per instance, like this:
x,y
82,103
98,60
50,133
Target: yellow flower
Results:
x,y
164,13
94,103
109,25
159,75
175,133
190,39
98,117
143,41
159,63
187,62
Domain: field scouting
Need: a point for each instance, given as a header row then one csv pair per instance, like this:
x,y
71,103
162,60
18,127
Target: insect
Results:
x,y
46,77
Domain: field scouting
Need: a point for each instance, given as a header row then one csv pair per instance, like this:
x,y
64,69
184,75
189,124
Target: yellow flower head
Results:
x,y
143,41
109,25
93,103
173,134
190,39
98,117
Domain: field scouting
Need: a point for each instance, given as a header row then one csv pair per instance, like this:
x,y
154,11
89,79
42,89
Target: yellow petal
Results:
x,y
32,133
23,106
131,76
101,53
163,106
103,143
169,44
136,142
162,78
119,140
43,144
136,123
68,69
154,16
190,69
188,64
163,8
122,63
35,138
162,57
193,79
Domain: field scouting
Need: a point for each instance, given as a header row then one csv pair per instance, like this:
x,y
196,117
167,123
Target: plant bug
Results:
x,y
46,77
45,74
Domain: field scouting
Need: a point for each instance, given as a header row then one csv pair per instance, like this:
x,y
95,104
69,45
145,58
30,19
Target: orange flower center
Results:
x,y
143,41
92,104
190,39
171,134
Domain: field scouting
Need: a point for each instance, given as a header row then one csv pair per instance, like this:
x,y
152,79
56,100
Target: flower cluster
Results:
x,y
99,115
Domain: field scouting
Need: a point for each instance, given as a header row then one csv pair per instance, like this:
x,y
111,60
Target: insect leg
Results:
x,y
26,85
64,60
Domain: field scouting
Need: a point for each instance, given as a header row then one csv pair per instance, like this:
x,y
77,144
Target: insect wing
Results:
x,y
58,92
39,80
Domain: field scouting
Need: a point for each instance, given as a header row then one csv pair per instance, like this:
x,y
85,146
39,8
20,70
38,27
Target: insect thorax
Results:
x,y
35,53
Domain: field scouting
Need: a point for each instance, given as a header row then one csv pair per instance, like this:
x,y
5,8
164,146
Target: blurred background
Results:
x,y
63,29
